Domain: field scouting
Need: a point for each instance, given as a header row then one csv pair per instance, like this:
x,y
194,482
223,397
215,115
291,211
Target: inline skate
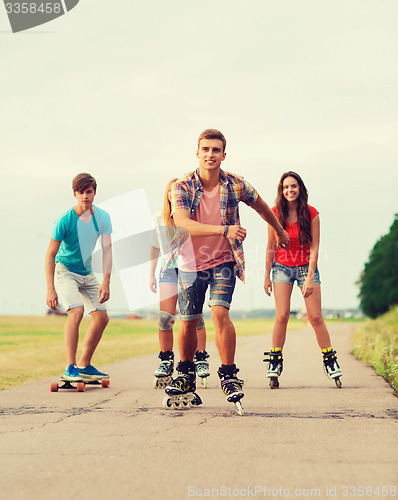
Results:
x,y
274,359
331,367
163,374
180,393
231,386
202,366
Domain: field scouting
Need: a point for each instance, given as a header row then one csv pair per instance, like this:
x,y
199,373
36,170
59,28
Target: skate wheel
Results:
x,y
106,383
204,382
338,383
81,387
273,383
186,404
155,383
176,405
167,403
54,387
239,408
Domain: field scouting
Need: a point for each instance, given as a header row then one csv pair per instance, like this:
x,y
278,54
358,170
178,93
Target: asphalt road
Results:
x,y
307,439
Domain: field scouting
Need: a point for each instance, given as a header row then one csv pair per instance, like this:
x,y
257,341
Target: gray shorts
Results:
x,y
75,290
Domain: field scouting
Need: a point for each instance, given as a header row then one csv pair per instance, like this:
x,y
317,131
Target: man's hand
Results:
x,y
283,239
52,299
236,233
104,292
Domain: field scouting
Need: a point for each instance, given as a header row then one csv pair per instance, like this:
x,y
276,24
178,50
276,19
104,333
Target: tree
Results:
x,y
379,279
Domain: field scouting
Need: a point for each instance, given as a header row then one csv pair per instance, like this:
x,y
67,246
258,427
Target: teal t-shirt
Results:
x,y
78,239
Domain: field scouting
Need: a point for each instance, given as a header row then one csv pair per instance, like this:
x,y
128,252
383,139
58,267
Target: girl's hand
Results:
x,y
153,284
308,288
267,286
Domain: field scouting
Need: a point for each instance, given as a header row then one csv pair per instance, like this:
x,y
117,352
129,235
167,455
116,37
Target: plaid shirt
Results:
x,y
186,194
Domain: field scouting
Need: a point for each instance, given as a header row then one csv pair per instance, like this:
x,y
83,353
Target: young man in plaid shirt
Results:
x,y
205,203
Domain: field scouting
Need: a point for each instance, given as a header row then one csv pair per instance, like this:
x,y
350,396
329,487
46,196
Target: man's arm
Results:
x,y
283,239
182,218
104,290
52,297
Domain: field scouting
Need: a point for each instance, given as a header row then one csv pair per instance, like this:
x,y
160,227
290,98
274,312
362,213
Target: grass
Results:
x,y
376,343
32,348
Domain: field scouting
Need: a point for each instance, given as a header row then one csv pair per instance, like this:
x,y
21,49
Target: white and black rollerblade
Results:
x,y
163,374
180,393
332,368
202,366
231,386
275,367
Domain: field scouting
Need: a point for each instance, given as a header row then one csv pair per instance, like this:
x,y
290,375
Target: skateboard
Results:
x,y
79,386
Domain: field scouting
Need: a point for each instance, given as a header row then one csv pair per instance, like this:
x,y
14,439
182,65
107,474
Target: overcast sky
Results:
x,y
123,89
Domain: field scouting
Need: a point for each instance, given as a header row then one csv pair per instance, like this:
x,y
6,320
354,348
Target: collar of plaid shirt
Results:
x,y
229,201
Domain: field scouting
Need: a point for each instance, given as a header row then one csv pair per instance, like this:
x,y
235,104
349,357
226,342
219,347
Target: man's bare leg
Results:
x,y
187,340
71,333
225,334
94,333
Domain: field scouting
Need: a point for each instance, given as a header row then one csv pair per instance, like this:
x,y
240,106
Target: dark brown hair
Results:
x,y
82,182
303,212
212,133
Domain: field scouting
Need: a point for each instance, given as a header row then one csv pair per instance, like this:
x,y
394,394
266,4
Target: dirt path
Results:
x,y
307,439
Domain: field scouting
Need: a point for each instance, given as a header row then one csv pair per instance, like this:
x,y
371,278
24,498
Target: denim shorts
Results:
x,y
169,277
76,290
193,286
288,275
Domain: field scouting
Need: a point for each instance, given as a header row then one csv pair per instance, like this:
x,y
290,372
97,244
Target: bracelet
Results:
x,y
225,231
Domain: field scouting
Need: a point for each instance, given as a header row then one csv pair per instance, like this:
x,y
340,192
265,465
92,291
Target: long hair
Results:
x,y
303,212
166,212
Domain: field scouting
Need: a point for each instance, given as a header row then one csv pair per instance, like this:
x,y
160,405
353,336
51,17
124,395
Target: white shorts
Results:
x,y
75,290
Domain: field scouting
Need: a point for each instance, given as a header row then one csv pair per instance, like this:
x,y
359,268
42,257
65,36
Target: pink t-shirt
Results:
x,y
208,251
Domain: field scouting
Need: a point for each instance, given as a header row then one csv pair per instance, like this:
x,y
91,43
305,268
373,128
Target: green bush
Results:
x,y
376,343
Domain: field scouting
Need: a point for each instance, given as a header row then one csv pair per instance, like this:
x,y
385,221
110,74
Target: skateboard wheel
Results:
x,y
81,387
106,383
54,387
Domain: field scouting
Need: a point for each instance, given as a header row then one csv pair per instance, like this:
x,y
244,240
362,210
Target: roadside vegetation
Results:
x,y
32,348
376,343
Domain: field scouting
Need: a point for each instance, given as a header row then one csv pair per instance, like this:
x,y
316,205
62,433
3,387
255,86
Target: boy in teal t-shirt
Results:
x,y
69,254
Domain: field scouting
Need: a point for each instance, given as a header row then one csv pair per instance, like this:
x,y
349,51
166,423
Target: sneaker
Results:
x,y
201,364
230,383
91,373
72,374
